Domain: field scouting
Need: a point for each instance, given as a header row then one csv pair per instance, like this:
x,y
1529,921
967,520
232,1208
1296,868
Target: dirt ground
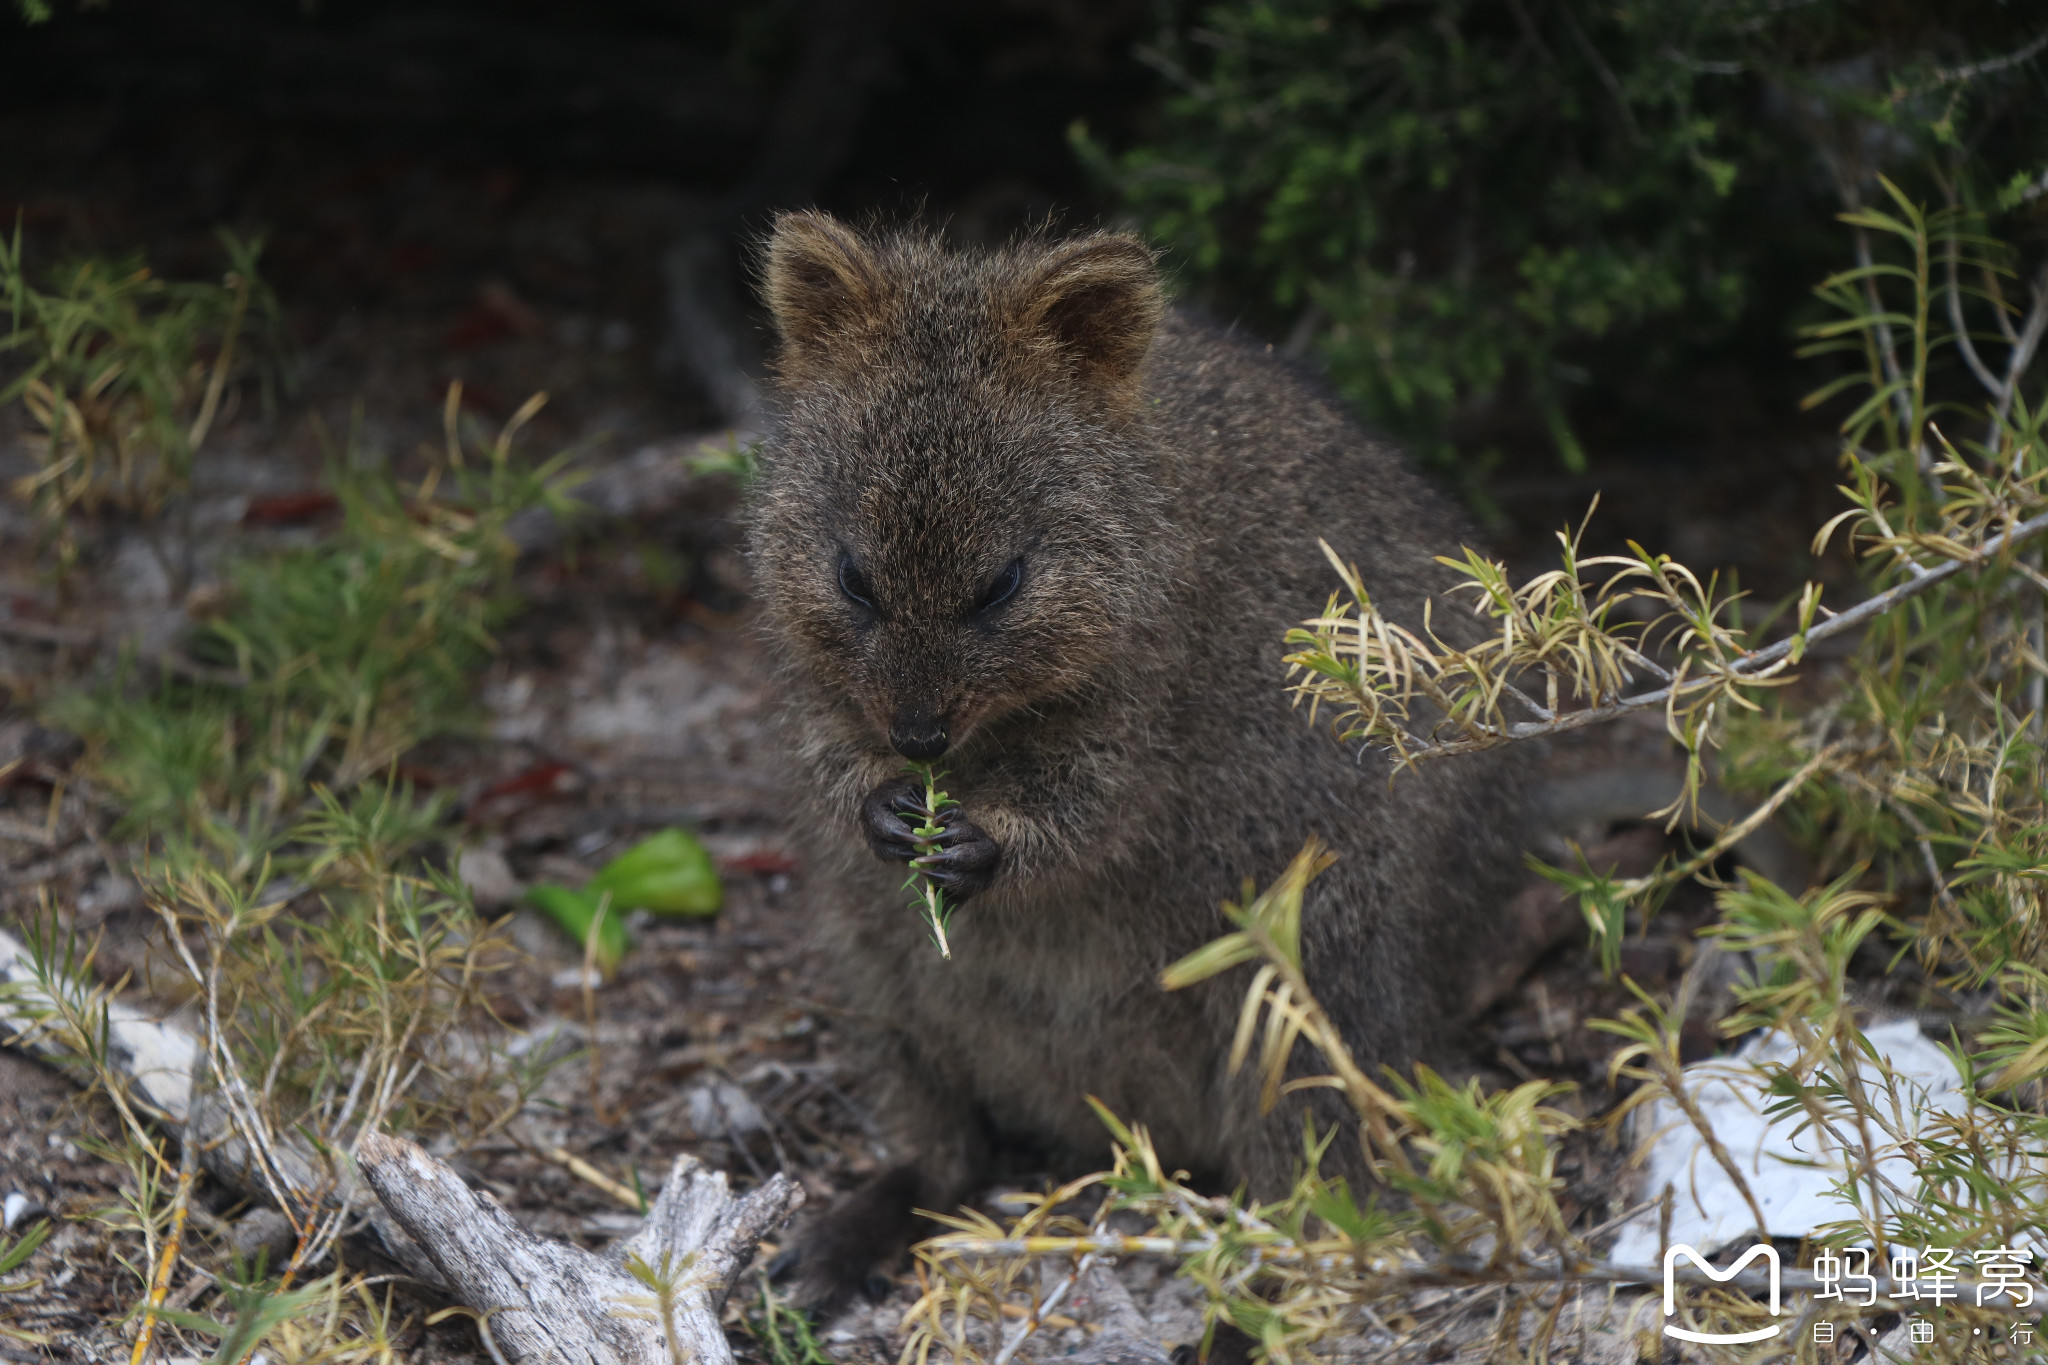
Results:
x,y
629,695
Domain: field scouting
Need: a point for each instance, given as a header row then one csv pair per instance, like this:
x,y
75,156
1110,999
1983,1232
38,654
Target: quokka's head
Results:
x,y
954,520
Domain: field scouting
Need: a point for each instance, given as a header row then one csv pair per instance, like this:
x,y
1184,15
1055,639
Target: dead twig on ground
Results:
x,y
548,1301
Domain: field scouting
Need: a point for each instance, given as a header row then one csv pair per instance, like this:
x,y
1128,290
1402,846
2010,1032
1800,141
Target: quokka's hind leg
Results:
x,y
836,1253
863,1234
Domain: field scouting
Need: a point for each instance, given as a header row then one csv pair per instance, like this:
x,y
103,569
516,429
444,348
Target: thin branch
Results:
x,y
1887,350
2001,311
1044,1307
1605,73
1755,664
1952,74
1541,712
245,1115
1755,820
2000,391
2022,354
1648,664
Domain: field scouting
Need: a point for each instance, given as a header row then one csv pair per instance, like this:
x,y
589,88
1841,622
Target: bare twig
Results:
x,y
1887,349
2020,56
589,1174
2021,356
174,1237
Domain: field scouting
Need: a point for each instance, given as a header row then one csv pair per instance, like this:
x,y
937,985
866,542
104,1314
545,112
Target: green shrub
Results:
x,y
1482,213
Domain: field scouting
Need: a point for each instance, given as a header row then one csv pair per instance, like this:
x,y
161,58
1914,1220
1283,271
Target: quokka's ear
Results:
x,y
1095,303
822,284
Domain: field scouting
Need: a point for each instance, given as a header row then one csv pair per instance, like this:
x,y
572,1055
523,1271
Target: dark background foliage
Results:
x,y
1600,220
1553,244
599,164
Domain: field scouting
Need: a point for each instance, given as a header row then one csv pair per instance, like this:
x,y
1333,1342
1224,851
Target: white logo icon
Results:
x,y
1770,1256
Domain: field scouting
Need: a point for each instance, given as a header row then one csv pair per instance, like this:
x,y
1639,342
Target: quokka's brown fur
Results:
x,y
1117,725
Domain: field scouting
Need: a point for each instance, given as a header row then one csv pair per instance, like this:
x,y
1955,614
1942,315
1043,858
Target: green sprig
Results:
x,y
928,896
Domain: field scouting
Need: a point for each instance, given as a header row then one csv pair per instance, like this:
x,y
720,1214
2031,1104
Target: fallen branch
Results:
x,y
549,1301
154,1055
155,1060
653,481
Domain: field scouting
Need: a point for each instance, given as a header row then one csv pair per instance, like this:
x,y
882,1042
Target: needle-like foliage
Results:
x,y
928,895
123,376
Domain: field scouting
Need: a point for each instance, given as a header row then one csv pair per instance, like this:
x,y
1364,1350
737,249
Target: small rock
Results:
x,y
263,1232
19,1208
716,1108
489,877
110,895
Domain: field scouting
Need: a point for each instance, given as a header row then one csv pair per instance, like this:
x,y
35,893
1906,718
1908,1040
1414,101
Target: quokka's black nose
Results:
x,y
919,738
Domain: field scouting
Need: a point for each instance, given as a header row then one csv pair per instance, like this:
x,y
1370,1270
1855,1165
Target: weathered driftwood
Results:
x,y
548,1301
156,1056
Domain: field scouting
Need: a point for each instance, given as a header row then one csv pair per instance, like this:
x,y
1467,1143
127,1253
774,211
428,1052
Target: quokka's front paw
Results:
x,y
962,860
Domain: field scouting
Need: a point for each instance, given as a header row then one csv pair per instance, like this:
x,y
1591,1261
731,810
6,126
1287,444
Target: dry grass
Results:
x,y
337,973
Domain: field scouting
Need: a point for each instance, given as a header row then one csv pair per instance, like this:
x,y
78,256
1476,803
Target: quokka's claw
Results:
x,y
965,861
960,858
882,820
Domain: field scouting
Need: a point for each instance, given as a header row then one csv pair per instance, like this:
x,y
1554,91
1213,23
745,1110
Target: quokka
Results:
x,y
1022,518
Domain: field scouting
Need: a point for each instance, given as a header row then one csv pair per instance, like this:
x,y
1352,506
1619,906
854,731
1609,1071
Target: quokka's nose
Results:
x,y
918,737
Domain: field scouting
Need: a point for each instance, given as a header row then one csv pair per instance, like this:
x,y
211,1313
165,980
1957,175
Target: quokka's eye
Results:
x,y
853,584
1003,589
